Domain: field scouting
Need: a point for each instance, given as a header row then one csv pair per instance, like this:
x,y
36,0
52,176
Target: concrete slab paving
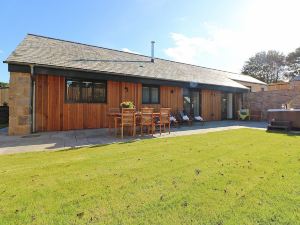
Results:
x,y
52,141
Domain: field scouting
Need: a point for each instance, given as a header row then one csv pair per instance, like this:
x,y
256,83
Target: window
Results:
x,y
150,94
85,91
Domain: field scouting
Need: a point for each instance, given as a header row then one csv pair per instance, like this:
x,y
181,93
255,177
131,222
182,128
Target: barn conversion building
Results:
x,y
62,85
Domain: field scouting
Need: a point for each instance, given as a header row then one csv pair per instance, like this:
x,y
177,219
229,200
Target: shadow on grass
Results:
x,y
100,145
294,134
128,141
287,133
69,149
81,147
118,142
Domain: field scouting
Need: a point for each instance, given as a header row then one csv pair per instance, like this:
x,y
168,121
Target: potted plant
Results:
x,y
127,104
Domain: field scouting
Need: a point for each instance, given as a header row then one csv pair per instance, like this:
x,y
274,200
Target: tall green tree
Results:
x,y
265,66
2,84
293,64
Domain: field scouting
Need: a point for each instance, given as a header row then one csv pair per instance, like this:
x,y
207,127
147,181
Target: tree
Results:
x,y
2,84
265,66
293,64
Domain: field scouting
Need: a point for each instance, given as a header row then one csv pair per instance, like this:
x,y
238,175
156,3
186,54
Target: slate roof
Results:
x,y
245,78
45,51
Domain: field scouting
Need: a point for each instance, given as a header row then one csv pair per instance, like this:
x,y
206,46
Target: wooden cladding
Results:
x,y
211,105
278,86
54,114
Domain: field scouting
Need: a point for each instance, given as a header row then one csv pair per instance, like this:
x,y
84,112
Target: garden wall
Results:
x,y
262,101
4,95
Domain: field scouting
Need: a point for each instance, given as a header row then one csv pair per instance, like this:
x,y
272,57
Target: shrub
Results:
x,y
127,104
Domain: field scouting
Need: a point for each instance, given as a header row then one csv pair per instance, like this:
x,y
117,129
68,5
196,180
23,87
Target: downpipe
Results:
x,y
32,97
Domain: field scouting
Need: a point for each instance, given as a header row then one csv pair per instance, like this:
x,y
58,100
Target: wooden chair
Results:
x,y
147,119
111,117
176,122
127,119
181,119
164,119
199,119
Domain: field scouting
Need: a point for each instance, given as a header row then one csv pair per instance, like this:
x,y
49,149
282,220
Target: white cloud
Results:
x,y
128,50
188,48
263,25
1,51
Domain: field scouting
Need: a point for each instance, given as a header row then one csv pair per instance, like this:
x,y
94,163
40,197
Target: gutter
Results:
x,y
250,82
72,72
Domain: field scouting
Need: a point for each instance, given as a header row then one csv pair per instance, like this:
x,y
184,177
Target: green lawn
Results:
x,y
232,177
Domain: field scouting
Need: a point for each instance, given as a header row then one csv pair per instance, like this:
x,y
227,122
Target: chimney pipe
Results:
x,y
152,51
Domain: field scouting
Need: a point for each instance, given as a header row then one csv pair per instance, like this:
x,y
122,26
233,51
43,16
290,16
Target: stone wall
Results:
x,y
4,95
19,104
262,101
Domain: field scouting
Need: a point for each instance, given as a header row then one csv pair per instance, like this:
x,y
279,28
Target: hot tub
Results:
x,y
292,115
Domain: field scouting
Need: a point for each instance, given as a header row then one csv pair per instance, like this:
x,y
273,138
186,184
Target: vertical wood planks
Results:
x,y
211,105
53,114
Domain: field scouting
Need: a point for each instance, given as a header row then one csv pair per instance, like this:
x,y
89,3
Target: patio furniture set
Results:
x,y
146,120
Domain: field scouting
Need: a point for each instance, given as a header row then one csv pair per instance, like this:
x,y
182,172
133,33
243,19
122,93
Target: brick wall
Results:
x,y
19,104
262,101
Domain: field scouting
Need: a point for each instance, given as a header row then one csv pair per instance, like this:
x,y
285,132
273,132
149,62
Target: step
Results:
x,y
277,126
270,127
281,123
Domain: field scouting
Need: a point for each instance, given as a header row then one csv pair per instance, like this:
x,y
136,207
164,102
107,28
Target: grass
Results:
x,y
232,177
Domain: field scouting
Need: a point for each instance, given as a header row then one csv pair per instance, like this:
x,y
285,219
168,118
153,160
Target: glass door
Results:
x,y
187,104
191,102
195,103
224,106
227,106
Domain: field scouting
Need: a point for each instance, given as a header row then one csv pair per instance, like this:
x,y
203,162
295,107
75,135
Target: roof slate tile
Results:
x,y
47,51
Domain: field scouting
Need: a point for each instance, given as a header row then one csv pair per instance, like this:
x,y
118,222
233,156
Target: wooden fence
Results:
x,y
4,95
278,86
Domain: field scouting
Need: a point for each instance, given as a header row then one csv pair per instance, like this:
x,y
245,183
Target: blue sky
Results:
x,y
217,34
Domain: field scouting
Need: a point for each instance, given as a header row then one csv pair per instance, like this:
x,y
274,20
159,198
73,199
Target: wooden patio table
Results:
x,y
118,115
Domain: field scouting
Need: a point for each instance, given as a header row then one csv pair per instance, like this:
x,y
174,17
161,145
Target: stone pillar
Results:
x,y
19,104
229,106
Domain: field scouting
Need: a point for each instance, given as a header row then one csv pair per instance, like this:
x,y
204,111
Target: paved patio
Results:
x,y
50,141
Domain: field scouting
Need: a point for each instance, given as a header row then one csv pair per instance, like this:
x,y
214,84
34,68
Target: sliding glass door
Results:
x,y
227,106
192,101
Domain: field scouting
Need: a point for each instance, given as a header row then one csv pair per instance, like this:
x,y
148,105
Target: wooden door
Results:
x,y
211,105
